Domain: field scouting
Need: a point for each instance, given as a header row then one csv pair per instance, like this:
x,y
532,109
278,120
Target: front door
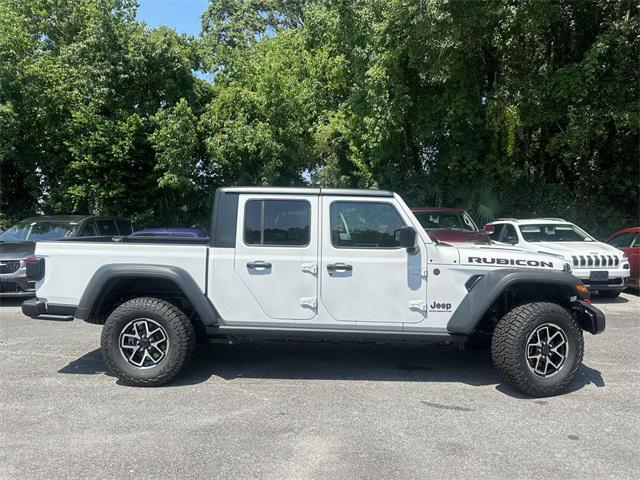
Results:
x,y
277,253
365,275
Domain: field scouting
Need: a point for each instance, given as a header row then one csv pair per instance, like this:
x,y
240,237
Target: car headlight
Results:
x,y
625,262
567,268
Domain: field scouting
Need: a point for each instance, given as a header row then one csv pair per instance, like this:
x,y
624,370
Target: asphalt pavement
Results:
x,y
276,410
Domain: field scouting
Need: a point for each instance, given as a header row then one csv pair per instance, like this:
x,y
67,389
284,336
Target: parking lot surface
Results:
x,y
275,410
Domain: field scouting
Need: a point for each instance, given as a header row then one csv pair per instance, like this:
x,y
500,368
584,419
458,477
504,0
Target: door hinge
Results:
x,y
418,305
310,268
425,272
309,302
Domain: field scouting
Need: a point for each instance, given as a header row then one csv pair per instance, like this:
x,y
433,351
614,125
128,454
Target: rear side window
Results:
x,y
106,227
497,230
124,228
89,230
509,235
277,222
364,225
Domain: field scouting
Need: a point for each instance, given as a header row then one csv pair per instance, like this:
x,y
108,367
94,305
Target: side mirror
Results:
x,y
406,237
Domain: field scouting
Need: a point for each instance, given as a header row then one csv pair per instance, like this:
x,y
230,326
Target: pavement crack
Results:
x,y
446,407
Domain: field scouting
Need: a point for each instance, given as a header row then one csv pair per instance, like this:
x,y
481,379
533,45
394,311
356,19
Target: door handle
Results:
x,y
339,267
259,264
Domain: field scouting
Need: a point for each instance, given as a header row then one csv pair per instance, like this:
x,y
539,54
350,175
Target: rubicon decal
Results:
x,y
511,261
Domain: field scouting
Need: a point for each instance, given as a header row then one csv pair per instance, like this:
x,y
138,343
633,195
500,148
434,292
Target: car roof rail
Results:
x,y
505,219
555,219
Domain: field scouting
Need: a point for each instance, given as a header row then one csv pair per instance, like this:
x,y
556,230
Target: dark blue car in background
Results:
x,y
171,232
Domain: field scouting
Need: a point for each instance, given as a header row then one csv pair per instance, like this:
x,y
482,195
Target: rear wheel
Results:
x,y
147,341
609,293
537,348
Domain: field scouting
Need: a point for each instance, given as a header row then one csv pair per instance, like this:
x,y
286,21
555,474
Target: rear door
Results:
x,y
276,254
365,275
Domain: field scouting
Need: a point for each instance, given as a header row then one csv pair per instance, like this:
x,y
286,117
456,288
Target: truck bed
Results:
x,y
80,258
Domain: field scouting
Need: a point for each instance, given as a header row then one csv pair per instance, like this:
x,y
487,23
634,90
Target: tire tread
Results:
x,y
505,349
183,341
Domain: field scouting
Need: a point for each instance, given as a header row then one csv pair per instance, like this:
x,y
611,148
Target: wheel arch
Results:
x,y
499,288
113,284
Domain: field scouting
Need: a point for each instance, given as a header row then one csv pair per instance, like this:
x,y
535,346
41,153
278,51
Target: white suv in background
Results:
x,y
603,268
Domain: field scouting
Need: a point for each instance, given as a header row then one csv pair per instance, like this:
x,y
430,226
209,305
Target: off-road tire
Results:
x,y
509,347
178,328
609,293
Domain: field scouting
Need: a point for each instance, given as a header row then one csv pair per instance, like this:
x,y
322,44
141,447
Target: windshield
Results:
x,y
548,232
33,231
446,220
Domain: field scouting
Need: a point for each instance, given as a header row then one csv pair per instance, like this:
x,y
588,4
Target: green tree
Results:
x,y
80,86
259,126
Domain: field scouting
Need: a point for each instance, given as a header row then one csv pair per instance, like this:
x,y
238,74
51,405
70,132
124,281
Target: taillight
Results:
x,y
35,268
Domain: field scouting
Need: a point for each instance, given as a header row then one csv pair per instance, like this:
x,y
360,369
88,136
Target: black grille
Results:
x,y
613,281
10,288
9,266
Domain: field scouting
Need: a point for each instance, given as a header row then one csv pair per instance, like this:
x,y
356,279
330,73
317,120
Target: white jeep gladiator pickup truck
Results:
x,y
289,263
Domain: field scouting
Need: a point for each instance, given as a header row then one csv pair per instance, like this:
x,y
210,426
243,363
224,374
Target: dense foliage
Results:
x,y
506,108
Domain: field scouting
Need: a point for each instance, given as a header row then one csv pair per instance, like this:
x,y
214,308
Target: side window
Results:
x,y
89,230
124,228
106,227
623,240
277,222
364,225
497,230
468,221
509,234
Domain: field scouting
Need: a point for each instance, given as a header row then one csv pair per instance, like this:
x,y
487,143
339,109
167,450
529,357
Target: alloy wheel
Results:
x,y
143,343
547,350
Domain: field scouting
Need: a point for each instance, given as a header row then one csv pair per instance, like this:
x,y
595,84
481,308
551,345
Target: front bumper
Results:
x,y
39,309
590,318
16,285
617,280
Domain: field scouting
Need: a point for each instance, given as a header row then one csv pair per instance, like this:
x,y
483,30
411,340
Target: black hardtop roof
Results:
x,y
347,192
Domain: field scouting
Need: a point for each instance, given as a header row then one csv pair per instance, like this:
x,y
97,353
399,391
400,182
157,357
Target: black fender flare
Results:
x,y
484,292
104,279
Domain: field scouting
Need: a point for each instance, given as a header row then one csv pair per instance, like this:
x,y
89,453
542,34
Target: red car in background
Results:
x,y
450,225
628,240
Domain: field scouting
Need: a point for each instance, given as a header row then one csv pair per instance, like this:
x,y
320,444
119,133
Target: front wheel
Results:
x,y
146,341
537,348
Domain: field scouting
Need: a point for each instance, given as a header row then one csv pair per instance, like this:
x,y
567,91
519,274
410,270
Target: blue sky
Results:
x,y
183,15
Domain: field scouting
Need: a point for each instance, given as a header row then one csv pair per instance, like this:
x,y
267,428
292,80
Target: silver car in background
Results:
x,y
18,243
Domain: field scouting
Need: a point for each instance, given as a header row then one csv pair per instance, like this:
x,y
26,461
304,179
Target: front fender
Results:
x,y
485,291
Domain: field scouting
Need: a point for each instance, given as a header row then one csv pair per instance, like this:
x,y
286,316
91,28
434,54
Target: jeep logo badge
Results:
x,y
440,307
